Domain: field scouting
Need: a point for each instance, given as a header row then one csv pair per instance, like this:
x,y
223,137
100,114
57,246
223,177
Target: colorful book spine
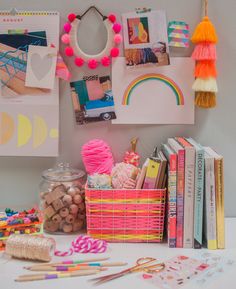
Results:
x,y
188,192
180,190
220,215
199,194
210,201
172,188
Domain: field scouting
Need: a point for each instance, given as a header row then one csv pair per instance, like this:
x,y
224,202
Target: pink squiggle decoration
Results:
x,y
84,244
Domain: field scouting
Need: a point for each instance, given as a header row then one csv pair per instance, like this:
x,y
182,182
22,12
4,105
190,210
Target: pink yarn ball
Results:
x,y
69,51
114,52
67,27
118,39
79,61
65,38
106,61
97,157
112,18
71,17
92,64
117,27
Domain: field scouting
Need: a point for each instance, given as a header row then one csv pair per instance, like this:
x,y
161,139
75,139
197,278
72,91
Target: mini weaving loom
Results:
x,y
204,54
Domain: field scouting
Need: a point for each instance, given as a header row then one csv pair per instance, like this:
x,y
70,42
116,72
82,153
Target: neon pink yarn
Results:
x,y
118,39
84,244
105,61
79,61
65,38
117,27
92,63
69,51
204,51
67,27
115,52
97,157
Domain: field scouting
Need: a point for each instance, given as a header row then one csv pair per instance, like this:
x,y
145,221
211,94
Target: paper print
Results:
x,y
178,34
92,98
161,95
145,39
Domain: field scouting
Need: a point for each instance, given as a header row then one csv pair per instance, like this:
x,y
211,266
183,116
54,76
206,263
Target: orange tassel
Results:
x,y
205,99
205,69
205,32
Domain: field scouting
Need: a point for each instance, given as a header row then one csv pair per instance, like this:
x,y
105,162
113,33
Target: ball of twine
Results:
x,y
97,157
30,247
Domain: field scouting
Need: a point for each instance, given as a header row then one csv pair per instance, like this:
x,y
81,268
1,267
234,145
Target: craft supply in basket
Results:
x,y
30,247
97,157
121,176
62,199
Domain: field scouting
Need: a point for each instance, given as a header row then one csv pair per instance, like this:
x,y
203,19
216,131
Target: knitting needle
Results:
x,y
38,277
69,262
75,267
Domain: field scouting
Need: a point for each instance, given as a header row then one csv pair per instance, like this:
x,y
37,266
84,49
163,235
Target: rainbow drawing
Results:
x,y
153,76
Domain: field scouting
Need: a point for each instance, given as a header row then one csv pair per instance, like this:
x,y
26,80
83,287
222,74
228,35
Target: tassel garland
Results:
x,y
204,54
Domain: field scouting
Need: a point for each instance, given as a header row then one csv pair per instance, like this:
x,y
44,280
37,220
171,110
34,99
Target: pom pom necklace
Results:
x,y
111,50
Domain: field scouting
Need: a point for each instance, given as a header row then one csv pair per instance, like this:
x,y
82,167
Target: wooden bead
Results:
x,y
56,218
78,225
73,209
67,228
81,216
50,226
72,191
81,207
77,199
64,212
49,212
43,195
70,219
58,204
67,200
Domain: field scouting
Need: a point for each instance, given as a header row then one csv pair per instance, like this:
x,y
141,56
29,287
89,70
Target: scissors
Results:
x,y
142,264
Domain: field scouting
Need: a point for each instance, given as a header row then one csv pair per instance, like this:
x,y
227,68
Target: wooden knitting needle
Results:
x,y
38,277
70,262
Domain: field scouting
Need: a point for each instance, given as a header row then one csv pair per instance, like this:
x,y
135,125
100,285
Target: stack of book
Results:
x,y
195,195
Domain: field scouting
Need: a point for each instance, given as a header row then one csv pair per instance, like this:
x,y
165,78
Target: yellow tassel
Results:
x,y
205,99
205,32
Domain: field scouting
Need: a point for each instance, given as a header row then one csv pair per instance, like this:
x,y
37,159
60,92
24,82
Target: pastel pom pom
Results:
x,y
69,51
67,27
114,52
112,18
118,39
106,61
92,64
117,27
79,61
65,38
71,17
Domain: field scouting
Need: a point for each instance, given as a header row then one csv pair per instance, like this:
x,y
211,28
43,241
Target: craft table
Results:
x,y
10,268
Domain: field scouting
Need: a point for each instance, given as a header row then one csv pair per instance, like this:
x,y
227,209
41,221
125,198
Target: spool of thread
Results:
x,y
30,247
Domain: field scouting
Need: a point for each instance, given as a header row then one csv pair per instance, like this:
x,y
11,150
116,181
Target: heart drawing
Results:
x,y
40,65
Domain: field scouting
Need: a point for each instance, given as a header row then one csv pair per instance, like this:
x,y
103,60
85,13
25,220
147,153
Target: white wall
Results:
x,y
19,177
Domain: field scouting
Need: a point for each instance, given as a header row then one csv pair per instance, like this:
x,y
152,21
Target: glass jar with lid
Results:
x,y
62,199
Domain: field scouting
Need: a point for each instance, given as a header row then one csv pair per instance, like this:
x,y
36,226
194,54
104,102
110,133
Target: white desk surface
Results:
x,y
10,269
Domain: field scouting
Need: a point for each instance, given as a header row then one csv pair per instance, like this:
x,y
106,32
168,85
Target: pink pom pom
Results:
x,y
114,52
97,157
117,27
112,18
79,61
69,51
92,64
118,39
65,38
67,27
106,61
71,17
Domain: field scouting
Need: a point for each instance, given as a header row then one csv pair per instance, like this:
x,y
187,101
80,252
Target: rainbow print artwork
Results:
x,y
153,76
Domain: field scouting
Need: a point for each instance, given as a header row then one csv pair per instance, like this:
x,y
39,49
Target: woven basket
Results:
x,y
125,215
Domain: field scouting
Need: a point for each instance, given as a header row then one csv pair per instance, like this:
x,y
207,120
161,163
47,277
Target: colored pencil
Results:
x,y
69,262
38,277
75,267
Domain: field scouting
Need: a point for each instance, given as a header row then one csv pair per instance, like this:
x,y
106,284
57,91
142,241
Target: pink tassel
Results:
x,y
204,51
